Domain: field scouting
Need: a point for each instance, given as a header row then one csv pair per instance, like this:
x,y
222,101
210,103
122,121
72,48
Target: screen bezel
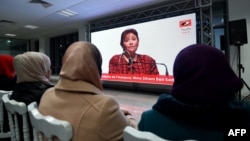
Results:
x,y
183,31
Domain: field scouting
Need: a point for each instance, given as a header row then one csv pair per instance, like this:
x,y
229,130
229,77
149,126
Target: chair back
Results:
x,y
2,116
48,126
16,110
132,134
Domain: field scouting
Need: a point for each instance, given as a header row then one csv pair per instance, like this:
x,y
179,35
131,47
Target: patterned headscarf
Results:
x,y
32,67
6,66
202,74
82,61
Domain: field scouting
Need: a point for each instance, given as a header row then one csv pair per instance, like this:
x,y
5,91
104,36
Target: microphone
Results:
x,y
166,69
130,59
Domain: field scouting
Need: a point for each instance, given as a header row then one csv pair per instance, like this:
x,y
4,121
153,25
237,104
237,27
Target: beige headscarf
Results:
x,y
82,61
32,67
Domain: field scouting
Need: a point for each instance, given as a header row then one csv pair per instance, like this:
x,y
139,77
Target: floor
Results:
x,y
133,101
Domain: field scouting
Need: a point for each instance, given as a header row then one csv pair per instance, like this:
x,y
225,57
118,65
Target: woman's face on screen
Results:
x,y
130,42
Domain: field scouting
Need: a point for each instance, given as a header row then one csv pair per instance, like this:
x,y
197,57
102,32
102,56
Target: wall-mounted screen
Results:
x,y
156,45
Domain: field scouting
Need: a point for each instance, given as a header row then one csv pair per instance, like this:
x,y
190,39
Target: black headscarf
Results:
x,y
202,74
203,90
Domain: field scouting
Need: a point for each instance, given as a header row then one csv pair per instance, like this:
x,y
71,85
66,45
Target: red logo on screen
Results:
x,y
185,23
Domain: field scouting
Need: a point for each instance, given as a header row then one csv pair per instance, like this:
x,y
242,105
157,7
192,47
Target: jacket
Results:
x,y
93,115
29,92
181,121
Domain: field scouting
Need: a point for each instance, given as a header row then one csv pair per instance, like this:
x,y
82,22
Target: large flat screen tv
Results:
x,y
161,39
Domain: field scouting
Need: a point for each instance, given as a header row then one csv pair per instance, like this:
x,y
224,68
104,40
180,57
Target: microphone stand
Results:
x,y
166,72
130,60
240,67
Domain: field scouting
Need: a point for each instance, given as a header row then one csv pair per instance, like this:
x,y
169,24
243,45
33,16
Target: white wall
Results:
x,y
44,45
239,9
82,33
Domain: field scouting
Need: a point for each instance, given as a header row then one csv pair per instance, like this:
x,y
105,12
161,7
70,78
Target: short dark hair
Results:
x,y
125,32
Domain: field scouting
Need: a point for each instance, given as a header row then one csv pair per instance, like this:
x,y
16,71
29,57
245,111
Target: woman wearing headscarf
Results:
x,y
7,73
33,76
33,79
78,98
201,104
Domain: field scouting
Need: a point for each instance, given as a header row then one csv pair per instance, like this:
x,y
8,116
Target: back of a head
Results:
x,y
32,67
7,68
82,61
202,74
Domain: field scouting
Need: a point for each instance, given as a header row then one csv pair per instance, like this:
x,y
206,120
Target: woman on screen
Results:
x,y
129,62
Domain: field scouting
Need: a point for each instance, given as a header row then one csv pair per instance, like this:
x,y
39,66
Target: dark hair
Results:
x,y
125,32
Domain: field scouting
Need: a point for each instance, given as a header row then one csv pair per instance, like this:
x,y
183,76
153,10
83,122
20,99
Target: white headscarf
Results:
x,y
32,67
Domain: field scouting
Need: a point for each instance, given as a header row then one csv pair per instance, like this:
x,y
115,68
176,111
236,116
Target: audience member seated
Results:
x,y
78,98
7,83
201,104
33,78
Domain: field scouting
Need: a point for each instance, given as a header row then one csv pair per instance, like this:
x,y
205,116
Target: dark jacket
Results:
x,y
7,83
174,120
29,92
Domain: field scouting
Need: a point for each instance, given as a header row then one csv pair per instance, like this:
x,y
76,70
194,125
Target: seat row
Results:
x,y
48,126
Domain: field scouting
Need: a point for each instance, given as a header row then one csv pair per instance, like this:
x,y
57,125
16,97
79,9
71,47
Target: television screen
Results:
x,y
159,42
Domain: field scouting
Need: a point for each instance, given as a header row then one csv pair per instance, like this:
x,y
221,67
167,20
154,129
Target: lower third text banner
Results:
x,y
139,78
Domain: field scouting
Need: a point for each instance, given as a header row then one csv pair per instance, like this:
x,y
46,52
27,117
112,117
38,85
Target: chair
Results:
x,y
16,109
2,133
48,126
132,134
